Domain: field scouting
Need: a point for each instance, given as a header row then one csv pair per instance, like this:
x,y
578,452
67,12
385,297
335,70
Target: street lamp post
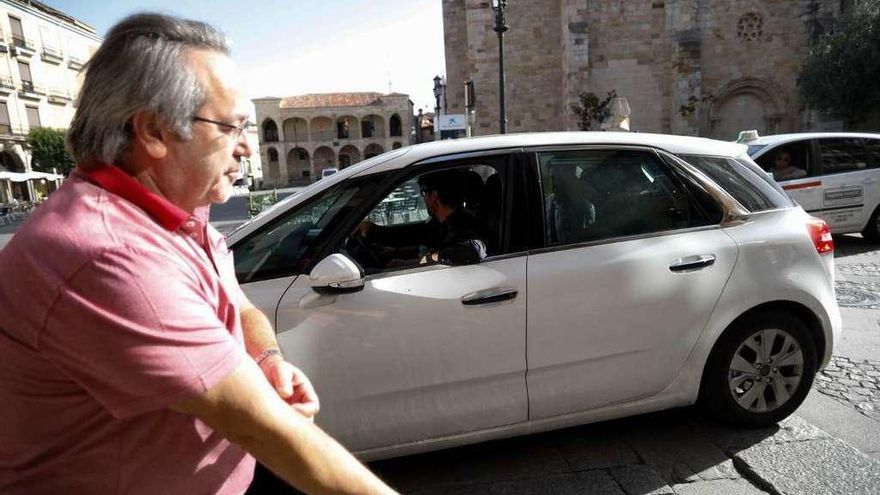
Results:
x,y
438,90
499,6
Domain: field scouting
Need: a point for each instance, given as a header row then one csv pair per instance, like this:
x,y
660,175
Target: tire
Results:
x,y
748,393
872,230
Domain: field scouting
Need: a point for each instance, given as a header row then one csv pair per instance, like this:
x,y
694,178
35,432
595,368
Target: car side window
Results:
x,y
842,155
287,245
788,161
872,149
752,191
598,194
451,216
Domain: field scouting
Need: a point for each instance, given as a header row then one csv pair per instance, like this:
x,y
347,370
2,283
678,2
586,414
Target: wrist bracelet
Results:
x,y
265,355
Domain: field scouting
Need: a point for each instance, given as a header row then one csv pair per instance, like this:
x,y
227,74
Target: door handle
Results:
x,y
692,263
489,296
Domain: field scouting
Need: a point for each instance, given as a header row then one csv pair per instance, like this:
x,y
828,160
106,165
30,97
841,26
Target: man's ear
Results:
x,y
149,134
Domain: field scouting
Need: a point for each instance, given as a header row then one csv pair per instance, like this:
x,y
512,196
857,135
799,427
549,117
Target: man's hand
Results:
x,y
292,385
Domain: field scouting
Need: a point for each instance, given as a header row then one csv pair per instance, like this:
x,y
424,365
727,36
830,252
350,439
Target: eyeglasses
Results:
x,y
237,129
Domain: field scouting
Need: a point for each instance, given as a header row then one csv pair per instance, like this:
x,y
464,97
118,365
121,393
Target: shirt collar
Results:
x,y
114,180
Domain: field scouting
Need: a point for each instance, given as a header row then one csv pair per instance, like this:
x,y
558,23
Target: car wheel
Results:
x,y
760,370
872,230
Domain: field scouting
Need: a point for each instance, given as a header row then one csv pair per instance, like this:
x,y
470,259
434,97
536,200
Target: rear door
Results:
x,y
622,290
847,177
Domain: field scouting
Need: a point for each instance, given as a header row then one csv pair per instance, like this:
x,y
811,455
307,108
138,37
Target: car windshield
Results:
x,y
754,148
288,244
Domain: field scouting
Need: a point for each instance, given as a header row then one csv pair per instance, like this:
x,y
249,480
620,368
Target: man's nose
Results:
x,y
243,146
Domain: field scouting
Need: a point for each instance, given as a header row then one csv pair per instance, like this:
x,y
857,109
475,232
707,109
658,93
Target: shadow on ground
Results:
x,y
645,454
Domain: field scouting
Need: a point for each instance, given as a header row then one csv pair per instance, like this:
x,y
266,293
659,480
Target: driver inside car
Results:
x,y
451,236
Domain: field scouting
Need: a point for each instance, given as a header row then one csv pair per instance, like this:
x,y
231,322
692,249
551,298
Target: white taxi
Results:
x,y
832,175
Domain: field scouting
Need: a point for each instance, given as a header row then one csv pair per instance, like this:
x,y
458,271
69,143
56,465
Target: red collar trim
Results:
x,y
114,180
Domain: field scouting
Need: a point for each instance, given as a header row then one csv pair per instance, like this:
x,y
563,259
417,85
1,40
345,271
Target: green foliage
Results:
x,y
841,73
259,202
592,109
694,104
48,151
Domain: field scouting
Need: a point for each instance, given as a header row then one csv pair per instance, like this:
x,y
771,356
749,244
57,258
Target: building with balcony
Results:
x,y
41,53
302,135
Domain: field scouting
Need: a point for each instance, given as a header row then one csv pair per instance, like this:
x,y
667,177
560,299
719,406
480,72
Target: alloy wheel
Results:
x,y
766,370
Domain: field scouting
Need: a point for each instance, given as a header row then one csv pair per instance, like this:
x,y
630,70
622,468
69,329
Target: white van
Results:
x,y
832,175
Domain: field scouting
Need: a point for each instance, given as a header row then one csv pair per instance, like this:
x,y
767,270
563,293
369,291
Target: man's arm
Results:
x,y
243,408
289,382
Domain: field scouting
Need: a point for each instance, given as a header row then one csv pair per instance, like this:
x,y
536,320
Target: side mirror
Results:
x,y
336,274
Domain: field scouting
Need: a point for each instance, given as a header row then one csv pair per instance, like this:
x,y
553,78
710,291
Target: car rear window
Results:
x,y
743,180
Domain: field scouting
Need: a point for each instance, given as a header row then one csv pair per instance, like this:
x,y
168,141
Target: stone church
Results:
x,y
697,67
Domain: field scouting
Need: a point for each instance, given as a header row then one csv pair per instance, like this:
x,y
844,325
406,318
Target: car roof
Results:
x,y
774,139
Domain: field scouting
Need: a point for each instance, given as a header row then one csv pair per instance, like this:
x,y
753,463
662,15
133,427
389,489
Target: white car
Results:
x,y
833,175
681,274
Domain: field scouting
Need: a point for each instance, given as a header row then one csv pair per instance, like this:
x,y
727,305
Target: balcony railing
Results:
x,y
6,85
30,90
52,55
8,131
60,96
23,46
75,62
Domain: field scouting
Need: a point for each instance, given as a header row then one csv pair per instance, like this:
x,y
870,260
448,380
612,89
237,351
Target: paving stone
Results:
x,y
525,457
717,487
791,429
603,450
863,391
848,382
826,466
869,385
587,482
677,454
640,480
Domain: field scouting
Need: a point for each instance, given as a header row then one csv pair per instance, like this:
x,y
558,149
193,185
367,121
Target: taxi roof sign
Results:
x,y
746,136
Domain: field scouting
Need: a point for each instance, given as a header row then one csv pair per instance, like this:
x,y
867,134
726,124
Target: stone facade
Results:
x,y
41,52
302,135
696,67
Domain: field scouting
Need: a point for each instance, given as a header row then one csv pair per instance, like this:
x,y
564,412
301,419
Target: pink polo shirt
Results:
x,y
115,305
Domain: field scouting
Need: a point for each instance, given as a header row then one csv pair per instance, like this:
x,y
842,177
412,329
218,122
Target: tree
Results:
x,y
48,151
590,109
841,73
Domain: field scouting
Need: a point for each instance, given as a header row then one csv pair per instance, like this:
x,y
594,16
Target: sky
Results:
x,y
293,47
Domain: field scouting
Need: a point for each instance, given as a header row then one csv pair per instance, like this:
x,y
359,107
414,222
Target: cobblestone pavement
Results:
x,y
854,383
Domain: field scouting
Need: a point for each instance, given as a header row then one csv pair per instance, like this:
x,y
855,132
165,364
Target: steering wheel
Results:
x,y
363,251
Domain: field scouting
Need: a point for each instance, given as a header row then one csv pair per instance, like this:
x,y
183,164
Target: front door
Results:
x,y
423,351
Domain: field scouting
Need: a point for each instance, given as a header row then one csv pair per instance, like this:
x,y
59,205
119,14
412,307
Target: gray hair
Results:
x,y
141,66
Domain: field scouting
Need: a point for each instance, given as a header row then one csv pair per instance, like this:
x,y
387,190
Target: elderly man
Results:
x,y
130,360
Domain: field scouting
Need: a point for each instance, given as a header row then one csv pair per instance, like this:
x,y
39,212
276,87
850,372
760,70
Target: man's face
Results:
x,y
205,166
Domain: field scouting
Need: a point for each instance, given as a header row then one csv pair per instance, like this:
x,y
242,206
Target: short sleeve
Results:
x,y
138,331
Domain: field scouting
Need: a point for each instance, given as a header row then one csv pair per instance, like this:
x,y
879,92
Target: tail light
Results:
x,y
821,235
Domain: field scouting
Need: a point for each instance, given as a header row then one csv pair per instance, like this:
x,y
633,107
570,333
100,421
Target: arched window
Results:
x,y
394,125
270,131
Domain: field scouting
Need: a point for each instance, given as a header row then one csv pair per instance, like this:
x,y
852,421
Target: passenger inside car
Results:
x,y
783,167
571,216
